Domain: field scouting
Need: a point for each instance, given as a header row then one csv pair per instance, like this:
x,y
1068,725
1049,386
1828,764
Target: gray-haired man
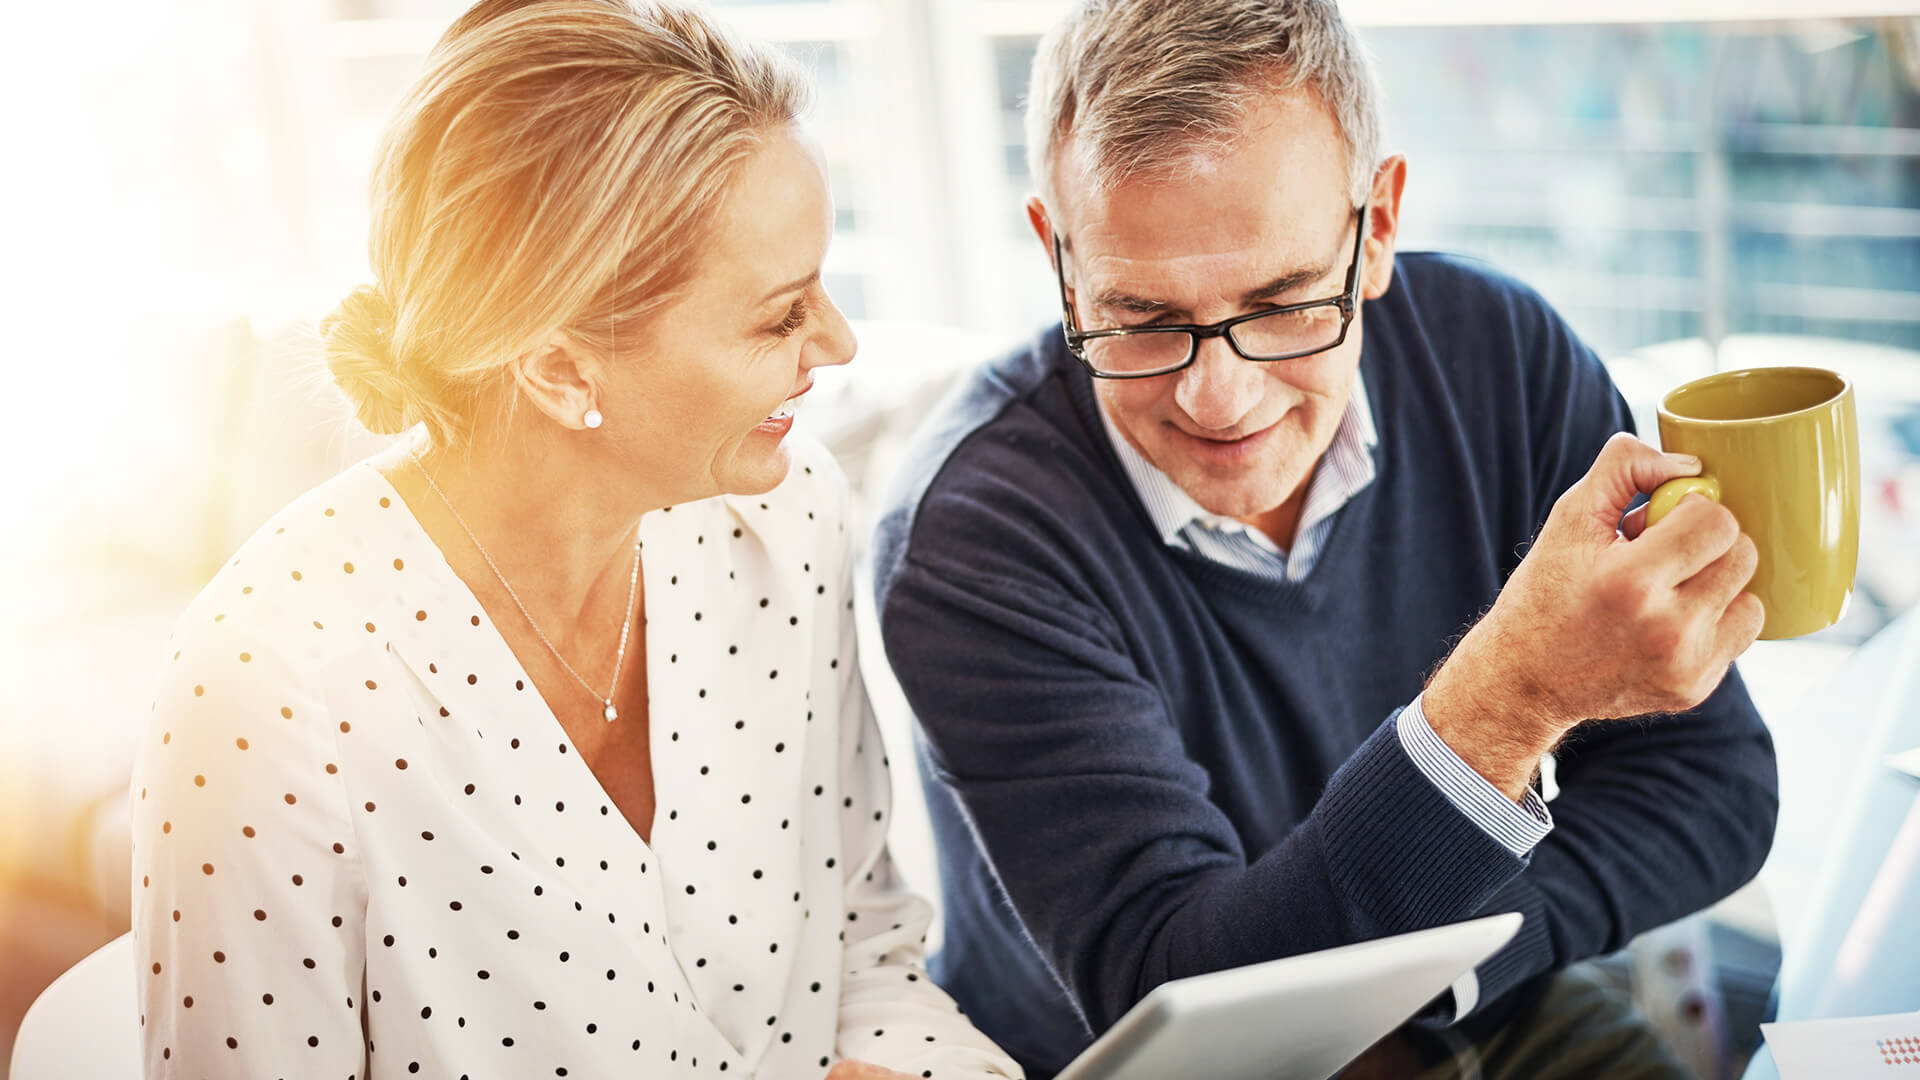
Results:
x,y
1165,586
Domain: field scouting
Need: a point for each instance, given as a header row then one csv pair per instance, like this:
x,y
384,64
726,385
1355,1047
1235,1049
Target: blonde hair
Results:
x,y
1140,87
553,170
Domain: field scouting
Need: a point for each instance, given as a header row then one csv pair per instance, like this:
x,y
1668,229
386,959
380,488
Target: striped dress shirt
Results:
x,y
1343,471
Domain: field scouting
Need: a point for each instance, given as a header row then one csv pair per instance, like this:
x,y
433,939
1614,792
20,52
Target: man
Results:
x,y
1211,604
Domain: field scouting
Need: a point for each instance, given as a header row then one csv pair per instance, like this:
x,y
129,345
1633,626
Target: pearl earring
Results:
x,y
592,419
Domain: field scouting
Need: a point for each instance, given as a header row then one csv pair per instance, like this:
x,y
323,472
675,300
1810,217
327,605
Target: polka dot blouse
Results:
x,y
363,846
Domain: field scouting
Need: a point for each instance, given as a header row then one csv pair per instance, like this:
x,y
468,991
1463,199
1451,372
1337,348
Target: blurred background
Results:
x,y
1697,185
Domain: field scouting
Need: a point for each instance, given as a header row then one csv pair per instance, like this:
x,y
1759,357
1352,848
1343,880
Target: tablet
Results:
x,y
1301,1018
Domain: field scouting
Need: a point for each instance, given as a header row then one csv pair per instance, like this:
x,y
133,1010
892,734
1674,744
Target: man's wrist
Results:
x,y
1489,718
1519,825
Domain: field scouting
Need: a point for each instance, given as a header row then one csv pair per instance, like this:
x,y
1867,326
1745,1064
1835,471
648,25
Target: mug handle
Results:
x,y
1668,495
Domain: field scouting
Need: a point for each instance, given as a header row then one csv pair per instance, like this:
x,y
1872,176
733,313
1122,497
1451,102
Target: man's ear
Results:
x,y
1383,226
1042,225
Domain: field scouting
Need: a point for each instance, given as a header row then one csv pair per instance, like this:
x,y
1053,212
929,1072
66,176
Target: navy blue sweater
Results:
x,y
1143,765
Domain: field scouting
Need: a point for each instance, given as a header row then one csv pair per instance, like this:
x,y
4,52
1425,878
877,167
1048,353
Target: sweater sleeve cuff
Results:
x,y
1517,826
1397,850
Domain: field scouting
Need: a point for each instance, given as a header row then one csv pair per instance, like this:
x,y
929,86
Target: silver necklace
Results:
x,y
633,591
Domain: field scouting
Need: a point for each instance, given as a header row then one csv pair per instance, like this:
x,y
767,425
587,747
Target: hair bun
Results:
x,y
357,340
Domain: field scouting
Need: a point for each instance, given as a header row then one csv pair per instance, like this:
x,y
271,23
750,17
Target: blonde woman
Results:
x,y
536,746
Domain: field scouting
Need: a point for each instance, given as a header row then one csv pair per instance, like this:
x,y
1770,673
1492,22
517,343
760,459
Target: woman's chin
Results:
x,y
756,468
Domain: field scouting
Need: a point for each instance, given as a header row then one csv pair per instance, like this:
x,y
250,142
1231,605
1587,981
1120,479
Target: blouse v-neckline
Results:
x,y
692,589
420,538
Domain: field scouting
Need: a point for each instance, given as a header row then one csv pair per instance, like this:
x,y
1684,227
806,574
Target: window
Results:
x,y
1723,177
1655,181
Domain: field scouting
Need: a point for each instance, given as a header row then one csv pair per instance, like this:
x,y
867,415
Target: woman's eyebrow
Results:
x,y
790,286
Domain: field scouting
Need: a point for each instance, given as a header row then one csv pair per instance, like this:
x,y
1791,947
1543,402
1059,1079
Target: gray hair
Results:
x,y
1140,87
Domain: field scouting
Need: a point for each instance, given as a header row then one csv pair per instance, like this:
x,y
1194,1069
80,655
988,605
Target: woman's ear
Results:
x,y
559,379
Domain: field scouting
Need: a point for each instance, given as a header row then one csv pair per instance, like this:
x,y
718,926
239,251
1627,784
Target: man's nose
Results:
x,y
1219,388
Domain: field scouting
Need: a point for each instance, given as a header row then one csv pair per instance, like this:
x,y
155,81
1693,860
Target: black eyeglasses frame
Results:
x,y
1348,302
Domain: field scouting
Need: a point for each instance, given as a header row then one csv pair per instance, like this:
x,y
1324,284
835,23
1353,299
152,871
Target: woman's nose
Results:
x,y
835,343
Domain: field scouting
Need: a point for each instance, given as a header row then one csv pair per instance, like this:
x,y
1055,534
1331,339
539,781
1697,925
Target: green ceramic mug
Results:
x,y
1779,447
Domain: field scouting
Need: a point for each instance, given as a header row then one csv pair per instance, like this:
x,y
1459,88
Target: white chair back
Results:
x,y
86,1025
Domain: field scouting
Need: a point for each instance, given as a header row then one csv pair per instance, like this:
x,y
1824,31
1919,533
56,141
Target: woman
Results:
x,y
536,745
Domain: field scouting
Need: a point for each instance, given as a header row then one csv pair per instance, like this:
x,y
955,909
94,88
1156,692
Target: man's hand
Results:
x,y
860,1070
1593,625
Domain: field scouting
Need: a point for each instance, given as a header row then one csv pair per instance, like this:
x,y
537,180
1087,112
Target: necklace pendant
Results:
x,y
610,713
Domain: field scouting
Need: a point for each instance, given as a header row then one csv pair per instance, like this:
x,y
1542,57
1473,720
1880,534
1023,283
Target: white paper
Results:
x,y
1867,1047
1908,762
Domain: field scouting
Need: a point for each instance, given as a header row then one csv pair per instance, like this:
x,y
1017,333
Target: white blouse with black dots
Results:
x,y
363,846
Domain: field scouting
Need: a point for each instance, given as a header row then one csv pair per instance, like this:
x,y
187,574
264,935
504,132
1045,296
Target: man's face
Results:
x,y
1267,223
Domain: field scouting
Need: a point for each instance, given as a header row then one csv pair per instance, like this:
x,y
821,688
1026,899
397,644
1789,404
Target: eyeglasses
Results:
x,y
1280,333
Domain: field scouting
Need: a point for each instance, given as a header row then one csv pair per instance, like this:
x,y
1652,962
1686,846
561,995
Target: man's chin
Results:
x,y
1241,491
1234,499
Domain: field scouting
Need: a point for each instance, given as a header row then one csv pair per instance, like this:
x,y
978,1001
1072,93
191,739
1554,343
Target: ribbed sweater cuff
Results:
x,y
1529,953
1401,855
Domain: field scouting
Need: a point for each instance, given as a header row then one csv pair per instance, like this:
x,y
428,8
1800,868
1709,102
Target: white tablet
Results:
x,y
1301,1018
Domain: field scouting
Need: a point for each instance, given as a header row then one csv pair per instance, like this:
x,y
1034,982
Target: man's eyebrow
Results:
x,y
1118,300
791,286
1286,283
1115,300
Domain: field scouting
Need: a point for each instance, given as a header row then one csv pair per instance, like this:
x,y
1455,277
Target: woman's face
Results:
x,y
703,405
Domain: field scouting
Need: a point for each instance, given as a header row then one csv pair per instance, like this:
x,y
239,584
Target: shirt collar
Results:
x,y
1171,509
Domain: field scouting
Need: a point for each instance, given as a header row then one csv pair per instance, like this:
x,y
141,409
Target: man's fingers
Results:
x,y
1626,468
1740,625
1721,581
1688,540
1635,522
